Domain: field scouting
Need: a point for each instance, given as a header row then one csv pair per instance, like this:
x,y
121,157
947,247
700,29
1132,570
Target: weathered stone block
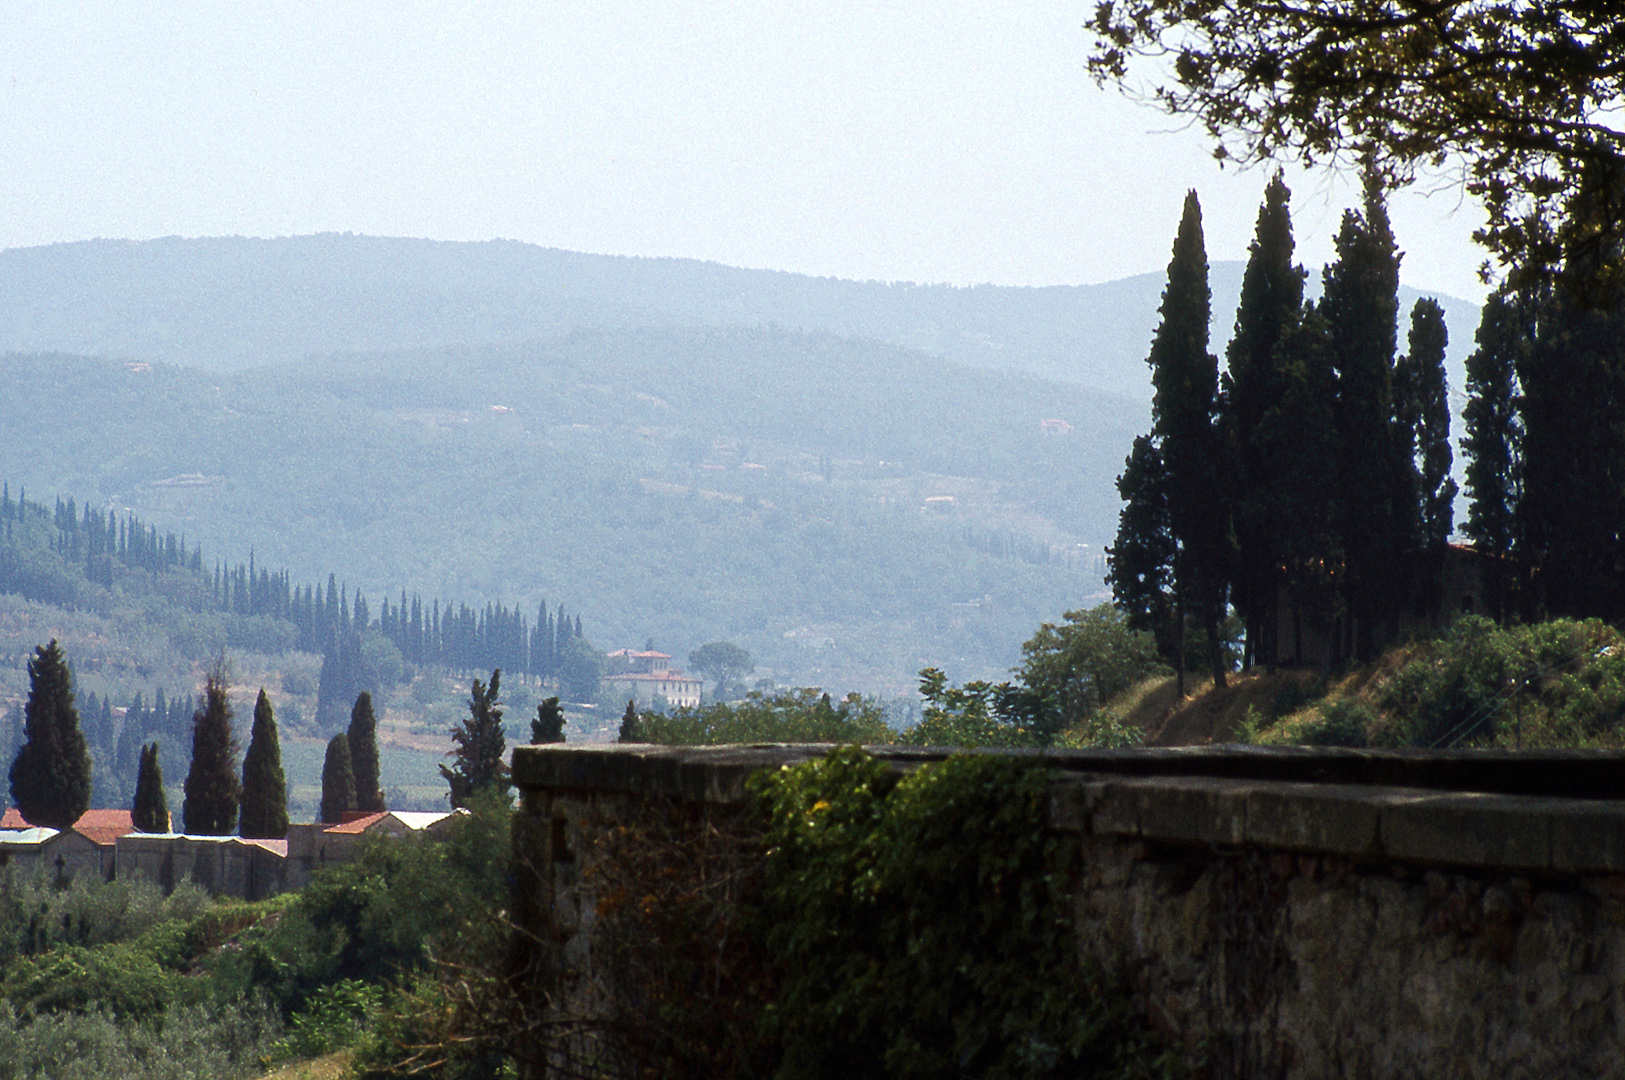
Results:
x,y
1326,818
1460,829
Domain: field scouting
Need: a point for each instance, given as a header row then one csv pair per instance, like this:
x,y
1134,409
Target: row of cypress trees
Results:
x,y
51,774
1317,467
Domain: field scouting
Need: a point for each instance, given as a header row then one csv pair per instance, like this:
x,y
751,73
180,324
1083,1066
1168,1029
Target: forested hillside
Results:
x,y
848,512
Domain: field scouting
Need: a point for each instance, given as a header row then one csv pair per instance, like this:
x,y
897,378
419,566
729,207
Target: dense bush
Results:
x,y
793,716
920,927
1557,683
219,1040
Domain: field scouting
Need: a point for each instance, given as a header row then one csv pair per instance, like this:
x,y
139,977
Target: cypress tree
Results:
x,y
1361,305
212,788
149,811
363,738
1300,508
1571,515
50,776
1492,442
477,758
1186,377
548,727
1425,412
265,788
629,724
1140,561
338,781
1253,386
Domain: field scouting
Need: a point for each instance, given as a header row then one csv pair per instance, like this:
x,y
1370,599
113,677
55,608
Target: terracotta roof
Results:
x,y
104,827
359,824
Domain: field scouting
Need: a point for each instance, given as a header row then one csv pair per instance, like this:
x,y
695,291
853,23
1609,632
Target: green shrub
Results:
x,y
1556,683
789,716
921,927
335,1017
1342,723
222,1041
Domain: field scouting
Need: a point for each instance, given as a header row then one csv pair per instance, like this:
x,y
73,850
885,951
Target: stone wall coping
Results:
x,y
1331,802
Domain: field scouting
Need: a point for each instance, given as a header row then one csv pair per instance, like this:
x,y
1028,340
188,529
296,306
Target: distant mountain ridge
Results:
x,y
232,303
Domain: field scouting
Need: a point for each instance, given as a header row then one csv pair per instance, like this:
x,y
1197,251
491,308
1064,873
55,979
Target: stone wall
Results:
x,y
1278,913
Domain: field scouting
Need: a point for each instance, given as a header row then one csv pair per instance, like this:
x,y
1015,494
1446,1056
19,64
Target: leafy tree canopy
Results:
x,y
1519,96
722,661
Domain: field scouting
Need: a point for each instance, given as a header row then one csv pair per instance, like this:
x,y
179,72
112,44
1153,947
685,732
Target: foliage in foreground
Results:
x,y
921,928
1553,684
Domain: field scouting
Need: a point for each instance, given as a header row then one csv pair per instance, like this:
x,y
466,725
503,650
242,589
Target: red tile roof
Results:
x,y
102,827
358,824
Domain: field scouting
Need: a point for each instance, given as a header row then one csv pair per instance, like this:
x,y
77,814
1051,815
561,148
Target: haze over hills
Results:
x,y
231,303
853,480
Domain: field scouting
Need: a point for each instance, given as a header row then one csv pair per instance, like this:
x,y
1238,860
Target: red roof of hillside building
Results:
x,y
358,824
102,827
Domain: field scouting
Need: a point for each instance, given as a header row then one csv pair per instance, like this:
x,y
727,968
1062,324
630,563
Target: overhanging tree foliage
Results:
x,y
363,736
481,743
265,788
149,813
1520,97
212,788
50,777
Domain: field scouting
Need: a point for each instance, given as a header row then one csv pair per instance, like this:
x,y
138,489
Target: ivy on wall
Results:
x,y
921,928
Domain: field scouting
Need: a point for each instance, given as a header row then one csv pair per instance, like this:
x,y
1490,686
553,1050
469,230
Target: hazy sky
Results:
x,y
892,140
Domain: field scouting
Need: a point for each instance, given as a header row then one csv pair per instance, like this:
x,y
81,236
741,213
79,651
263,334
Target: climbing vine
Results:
x,y
920,927
856,922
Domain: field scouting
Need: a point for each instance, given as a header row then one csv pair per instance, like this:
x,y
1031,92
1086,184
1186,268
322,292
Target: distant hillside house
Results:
x,y
649,679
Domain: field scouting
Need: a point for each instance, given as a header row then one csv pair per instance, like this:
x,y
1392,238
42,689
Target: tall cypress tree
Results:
x,y
212,788
1360,302
1424,408
1253,386
1186,377
1492,443
1298,435
363,738
338,781
50,777
480,744
1571,516
149,811
265,788
1140,562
